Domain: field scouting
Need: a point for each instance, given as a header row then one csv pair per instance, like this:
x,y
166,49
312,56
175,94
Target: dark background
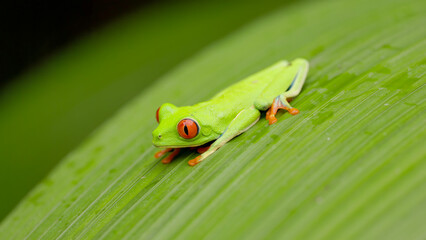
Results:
x,y
33,30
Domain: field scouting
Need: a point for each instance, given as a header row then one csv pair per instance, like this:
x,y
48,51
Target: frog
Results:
x,y
208,125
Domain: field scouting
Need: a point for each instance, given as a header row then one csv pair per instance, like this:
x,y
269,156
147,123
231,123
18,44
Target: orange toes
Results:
x,y
293,111
166,160
172,155
159,154
194,161
272,120
270,117
268,113
276,105
162,152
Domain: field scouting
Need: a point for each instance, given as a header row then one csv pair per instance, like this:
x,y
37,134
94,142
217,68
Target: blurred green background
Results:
x,y
53,106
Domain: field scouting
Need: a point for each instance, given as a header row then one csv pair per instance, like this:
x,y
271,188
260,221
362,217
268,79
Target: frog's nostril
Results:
x,y
159,136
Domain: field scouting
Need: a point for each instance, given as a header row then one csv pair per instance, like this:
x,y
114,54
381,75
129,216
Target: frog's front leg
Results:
x,y
291,84
241,123
170,157
162,152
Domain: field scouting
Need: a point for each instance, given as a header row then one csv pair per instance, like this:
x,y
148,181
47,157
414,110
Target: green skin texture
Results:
x,y
233,110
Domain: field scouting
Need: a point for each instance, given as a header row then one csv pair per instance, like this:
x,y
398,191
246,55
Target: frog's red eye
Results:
x,y
188,128
156,115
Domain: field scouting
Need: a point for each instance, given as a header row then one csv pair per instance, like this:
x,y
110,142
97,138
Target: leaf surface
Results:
x,y
350,165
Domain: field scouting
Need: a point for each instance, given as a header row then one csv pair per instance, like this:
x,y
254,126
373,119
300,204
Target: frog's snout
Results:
x,y
156,137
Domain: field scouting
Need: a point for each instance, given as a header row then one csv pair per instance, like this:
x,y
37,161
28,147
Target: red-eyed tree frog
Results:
x,y
229,113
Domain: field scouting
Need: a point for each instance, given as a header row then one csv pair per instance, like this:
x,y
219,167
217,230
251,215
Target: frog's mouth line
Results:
x,y
175,146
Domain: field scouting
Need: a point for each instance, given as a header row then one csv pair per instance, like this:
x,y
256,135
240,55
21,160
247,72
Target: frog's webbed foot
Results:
x,y
198,159
194,161
296,71
279,103
170,157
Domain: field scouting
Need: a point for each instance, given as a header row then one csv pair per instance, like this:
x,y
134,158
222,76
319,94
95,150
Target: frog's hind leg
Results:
x,y
292,80
279,102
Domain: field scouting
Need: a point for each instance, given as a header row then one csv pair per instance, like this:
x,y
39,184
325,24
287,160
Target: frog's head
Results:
x,y
178,128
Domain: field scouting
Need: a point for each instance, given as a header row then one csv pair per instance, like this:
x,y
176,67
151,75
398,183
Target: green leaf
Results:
x,y
350,165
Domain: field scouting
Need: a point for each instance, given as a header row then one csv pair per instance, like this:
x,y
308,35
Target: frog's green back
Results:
x,y
249,88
